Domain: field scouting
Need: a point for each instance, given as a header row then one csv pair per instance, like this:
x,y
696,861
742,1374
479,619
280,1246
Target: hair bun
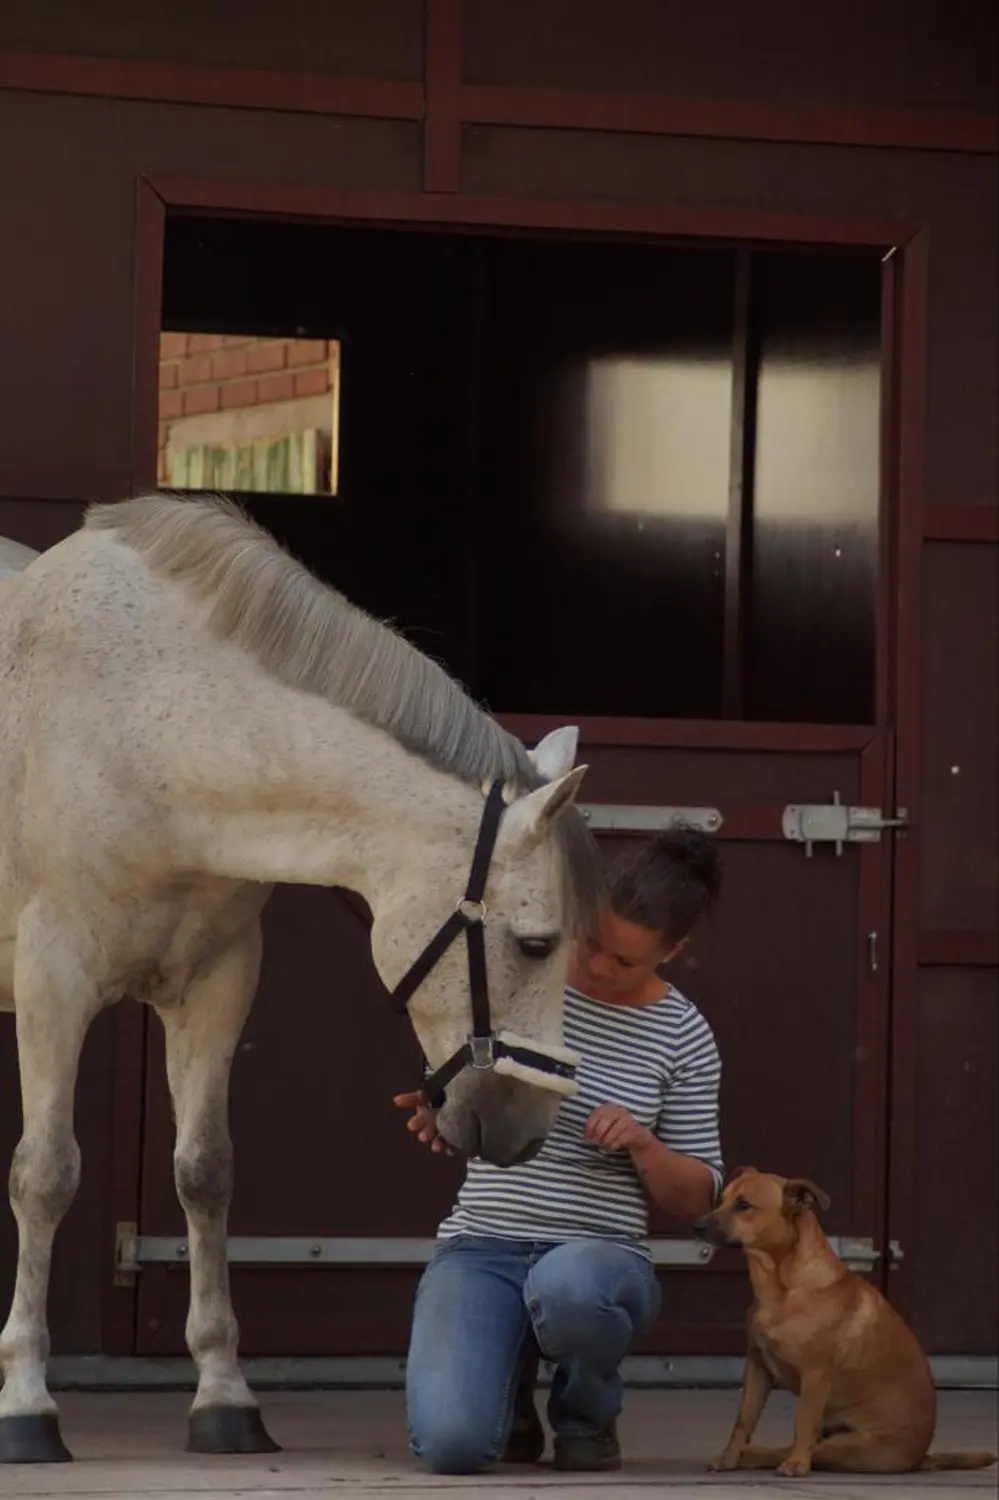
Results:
x,y
667,882
697,852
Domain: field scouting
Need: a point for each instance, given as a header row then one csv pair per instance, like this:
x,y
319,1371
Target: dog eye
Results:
x,y
741,1206
536,947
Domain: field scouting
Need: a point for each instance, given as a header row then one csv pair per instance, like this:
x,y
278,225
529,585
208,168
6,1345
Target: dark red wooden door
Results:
x,y
787,974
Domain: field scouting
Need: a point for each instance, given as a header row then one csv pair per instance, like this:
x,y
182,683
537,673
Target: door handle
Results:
x,y
872,952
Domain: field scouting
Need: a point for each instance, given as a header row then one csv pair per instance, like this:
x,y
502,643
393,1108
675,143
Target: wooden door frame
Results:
x,y
904,427
905,241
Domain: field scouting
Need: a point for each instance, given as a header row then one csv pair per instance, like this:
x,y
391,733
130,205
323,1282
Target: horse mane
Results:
x,y
309,636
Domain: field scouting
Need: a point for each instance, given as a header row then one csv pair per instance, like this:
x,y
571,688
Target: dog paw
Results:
x,y
794,1468
724,1463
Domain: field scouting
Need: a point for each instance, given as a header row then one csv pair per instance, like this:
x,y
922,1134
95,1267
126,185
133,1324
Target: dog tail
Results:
x,y
938,1461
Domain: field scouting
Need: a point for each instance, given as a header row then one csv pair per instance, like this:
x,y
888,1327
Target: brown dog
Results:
x,y
866,1402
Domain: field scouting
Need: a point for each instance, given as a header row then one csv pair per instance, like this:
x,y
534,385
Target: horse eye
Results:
x,y
536,947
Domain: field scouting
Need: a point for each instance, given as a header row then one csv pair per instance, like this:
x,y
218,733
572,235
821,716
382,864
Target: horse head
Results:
x,y
501,1064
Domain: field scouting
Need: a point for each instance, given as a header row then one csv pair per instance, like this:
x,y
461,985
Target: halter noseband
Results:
x,y
483,1050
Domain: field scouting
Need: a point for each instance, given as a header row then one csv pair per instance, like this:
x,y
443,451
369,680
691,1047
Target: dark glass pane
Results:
x,y
811,612
606,396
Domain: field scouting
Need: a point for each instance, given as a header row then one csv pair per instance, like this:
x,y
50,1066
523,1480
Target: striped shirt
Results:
x,y
659,1061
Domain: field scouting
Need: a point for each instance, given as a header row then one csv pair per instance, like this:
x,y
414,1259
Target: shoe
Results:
x,y
526,1442
600,1454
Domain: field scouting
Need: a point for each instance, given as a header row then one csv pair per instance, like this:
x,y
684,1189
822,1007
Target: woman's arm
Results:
x,y
680,1184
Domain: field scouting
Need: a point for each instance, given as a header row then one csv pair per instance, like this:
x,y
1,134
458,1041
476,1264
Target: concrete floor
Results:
x,y
350,1445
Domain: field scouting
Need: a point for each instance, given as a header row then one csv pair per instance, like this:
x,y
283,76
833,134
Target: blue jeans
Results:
x,y
479,1304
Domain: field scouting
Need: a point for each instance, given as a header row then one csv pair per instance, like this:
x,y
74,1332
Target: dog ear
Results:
x,y
800,1195
740,1172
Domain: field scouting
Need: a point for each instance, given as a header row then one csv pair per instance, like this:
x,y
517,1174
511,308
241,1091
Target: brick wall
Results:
x,y
201,373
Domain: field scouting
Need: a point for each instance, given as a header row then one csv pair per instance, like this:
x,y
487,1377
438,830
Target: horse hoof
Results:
x,y
32,1440
229,1429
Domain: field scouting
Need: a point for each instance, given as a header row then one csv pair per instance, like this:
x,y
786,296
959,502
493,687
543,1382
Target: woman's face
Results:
x,y
624,956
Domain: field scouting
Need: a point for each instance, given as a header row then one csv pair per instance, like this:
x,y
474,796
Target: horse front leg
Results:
x,y
54,1005
201,1037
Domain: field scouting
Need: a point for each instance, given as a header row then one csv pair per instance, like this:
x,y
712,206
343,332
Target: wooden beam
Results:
x,y
227,88
442,123
914,129
910,399
961,523
652,220
696,734
809,124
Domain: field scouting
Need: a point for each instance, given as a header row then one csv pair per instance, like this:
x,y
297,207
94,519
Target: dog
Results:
x,y
866,1401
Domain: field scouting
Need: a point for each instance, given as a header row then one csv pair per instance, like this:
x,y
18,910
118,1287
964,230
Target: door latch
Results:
x,y
836,823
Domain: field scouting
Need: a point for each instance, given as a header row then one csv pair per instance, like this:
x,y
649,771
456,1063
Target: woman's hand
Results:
x,y
681,1184
613,1128
423,1123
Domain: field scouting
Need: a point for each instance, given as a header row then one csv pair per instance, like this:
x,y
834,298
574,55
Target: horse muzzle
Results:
x,y
497,1116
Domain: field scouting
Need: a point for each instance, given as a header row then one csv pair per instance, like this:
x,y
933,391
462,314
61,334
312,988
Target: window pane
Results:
x,y
248,414
605,412
816,489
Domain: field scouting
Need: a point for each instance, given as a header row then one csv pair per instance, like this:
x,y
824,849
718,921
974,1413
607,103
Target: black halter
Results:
x,y
482,1048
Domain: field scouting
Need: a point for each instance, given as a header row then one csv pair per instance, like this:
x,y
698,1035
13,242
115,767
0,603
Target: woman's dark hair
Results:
x,y
667,883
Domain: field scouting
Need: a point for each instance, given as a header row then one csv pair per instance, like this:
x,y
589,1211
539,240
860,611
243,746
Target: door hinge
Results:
x,y
836,823
126,1254
607,817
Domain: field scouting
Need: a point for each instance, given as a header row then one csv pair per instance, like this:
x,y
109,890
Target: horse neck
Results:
x,y
319,798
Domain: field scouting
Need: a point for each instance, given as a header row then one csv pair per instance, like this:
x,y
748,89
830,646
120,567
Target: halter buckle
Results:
x,y
473,912
481,1052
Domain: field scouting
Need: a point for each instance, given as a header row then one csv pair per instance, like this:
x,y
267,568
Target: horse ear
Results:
x,y
555,755
529,819
800,1195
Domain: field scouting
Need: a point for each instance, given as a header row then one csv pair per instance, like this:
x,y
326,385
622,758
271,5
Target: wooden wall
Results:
x,y
880,109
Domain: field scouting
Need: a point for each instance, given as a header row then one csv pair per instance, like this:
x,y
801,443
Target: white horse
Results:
x,y
186,718
14,558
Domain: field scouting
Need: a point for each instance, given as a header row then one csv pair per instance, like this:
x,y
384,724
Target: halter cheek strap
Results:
x,y
483,1049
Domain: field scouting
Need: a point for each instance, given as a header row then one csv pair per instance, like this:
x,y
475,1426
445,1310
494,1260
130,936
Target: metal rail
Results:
x,y
624,817
135,1251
